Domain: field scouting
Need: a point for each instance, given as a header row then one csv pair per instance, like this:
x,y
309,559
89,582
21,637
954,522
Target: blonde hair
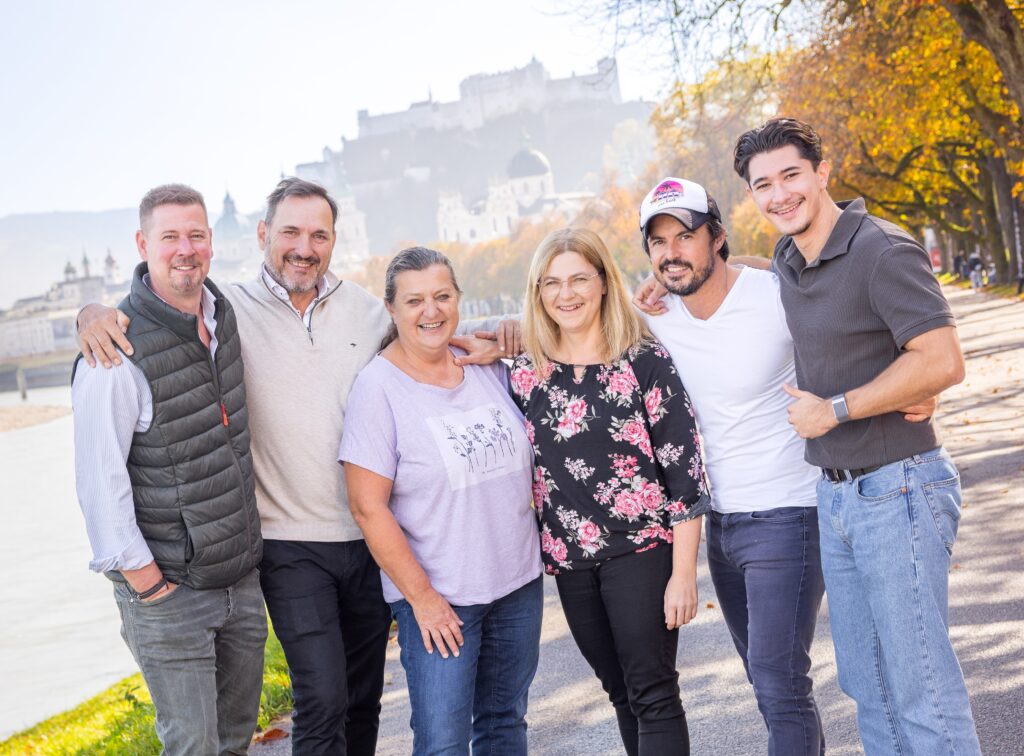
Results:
x,y
620,323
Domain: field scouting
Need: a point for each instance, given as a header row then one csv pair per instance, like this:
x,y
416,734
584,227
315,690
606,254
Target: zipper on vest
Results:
x,y
223,413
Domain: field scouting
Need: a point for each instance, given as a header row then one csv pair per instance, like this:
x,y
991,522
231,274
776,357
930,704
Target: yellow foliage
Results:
x,y
749,232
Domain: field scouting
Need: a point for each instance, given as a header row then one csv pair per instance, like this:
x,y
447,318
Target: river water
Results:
x,y
60,637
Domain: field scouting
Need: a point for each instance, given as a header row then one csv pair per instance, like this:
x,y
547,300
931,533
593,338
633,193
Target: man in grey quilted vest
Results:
x,y
165,481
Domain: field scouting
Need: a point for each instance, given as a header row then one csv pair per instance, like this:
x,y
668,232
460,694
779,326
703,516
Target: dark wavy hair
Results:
x,y
773,135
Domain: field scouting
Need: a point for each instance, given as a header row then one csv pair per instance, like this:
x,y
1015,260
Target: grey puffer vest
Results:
x,y
191,471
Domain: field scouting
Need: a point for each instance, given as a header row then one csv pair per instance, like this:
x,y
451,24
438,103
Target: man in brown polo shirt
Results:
x,y
872,333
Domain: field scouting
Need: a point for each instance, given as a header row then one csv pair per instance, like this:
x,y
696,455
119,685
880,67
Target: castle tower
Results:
x,y
111,274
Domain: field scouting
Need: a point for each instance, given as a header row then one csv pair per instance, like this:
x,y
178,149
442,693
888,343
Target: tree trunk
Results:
x,y
945,249
1002,185
989,219
991,24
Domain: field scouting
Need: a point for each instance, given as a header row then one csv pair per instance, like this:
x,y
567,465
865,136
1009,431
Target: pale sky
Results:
x,y
103,99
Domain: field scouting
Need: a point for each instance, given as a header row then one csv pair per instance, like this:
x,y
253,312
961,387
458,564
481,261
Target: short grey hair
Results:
x,y
411,259
168,194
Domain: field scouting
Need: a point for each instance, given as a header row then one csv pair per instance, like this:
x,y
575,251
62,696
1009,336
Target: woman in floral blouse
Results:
x,y
618,481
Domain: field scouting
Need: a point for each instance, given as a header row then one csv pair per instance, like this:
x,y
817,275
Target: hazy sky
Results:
x,y
103,99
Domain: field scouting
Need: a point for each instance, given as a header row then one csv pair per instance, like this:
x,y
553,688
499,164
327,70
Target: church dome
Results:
x,y
528,162
231,224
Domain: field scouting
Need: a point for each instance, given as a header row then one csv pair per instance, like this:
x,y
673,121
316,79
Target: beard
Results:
x,y
186,283
698,276
294,285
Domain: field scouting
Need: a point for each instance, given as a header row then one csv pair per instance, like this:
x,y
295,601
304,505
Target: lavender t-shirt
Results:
x,y
462,468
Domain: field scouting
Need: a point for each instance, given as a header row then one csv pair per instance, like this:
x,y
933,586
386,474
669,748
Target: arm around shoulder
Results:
x,y
101,332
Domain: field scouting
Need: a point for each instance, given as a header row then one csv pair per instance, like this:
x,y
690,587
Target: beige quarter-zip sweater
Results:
x,y
297,381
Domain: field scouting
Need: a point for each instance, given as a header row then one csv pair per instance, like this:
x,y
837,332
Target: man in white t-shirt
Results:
x,y
727,334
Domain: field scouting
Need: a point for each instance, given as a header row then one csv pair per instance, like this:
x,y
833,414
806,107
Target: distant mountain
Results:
x,y
35,247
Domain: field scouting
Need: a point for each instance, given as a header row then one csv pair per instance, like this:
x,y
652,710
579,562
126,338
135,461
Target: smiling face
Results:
x,y
425,308
572,293
788,190
297,244
682,260
176,242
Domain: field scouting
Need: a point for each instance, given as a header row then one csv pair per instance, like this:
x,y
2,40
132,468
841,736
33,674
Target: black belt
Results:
x,y
838,475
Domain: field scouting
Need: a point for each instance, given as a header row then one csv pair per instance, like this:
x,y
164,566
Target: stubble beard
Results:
x,y
291,285
185,283
698,278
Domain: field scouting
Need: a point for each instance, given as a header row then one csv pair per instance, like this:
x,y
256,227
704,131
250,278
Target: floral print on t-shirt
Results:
x,y
617,457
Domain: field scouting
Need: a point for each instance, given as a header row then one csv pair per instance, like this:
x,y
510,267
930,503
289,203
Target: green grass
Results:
x,y
120,719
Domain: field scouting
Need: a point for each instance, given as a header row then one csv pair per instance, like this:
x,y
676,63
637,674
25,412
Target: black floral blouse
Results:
x,y
617,458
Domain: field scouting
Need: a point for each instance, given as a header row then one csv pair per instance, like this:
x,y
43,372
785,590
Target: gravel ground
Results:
x,y
13,418
983,422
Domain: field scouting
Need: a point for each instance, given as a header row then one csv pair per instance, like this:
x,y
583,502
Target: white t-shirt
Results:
x,y
733,366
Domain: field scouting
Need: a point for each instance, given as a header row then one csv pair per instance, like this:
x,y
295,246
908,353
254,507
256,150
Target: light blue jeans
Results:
x,y
886,542
481,694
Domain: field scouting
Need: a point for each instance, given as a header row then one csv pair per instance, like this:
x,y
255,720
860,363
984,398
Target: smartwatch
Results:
x,y
840,408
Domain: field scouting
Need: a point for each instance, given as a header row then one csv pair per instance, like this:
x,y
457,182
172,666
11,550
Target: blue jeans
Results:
x,y
766,570
201,655
481,693
886,542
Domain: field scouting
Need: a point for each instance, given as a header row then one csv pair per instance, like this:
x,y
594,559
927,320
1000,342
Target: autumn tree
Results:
x,y
698,124
919,101
702,31
914,125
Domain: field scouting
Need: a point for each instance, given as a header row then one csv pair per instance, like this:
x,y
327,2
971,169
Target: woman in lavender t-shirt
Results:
x,y
438,468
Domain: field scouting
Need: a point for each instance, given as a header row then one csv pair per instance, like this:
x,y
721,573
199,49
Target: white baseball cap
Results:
x,y
684,200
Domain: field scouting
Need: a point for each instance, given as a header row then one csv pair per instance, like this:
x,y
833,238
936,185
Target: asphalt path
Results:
x,y
983,425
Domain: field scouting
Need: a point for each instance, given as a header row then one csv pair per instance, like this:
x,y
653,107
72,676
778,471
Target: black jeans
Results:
x,y
328,611
766,567
616,614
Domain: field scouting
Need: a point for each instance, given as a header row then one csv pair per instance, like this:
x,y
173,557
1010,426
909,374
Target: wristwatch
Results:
x,y
840,408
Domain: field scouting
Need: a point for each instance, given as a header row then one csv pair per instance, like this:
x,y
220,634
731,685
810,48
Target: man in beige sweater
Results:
x,y
305,336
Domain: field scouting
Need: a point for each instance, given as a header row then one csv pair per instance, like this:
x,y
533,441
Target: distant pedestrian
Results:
x,y
164,477
872,333
976,271
960,265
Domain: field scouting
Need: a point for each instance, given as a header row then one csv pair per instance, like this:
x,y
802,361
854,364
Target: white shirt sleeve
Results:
x,y
110,406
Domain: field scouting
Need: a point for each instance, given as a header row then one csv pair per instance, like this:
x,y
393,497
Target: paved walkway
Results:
x,y
983,422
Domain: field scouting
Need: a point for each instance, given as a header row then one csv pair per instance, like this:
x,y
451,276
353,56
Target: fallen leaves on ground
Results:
x,y
274,733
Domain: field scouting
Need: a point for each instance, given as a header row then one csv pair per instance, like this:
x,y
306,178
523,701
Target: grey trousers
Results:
x,y
201,654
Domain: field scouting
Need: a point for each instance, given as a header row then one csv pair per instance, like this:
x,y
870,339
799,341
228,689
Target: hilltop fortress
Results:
x,y
515,144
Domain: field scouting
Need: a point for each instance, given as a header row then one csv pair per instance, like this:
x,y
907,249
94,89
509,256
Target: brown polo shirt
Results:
x,y
851,312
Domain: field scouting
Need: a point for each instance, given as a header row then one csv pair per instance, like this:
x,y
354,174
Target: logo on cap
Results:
x,y
667,191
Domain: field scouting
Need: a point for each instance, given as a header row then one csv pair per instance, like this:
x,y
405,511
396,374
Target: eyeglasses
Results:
x,y
552,287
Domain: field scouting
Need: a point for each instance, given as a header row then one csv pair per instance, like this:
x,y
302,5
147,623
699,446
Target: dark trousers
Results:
x,y
616,613
328,610
766,567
